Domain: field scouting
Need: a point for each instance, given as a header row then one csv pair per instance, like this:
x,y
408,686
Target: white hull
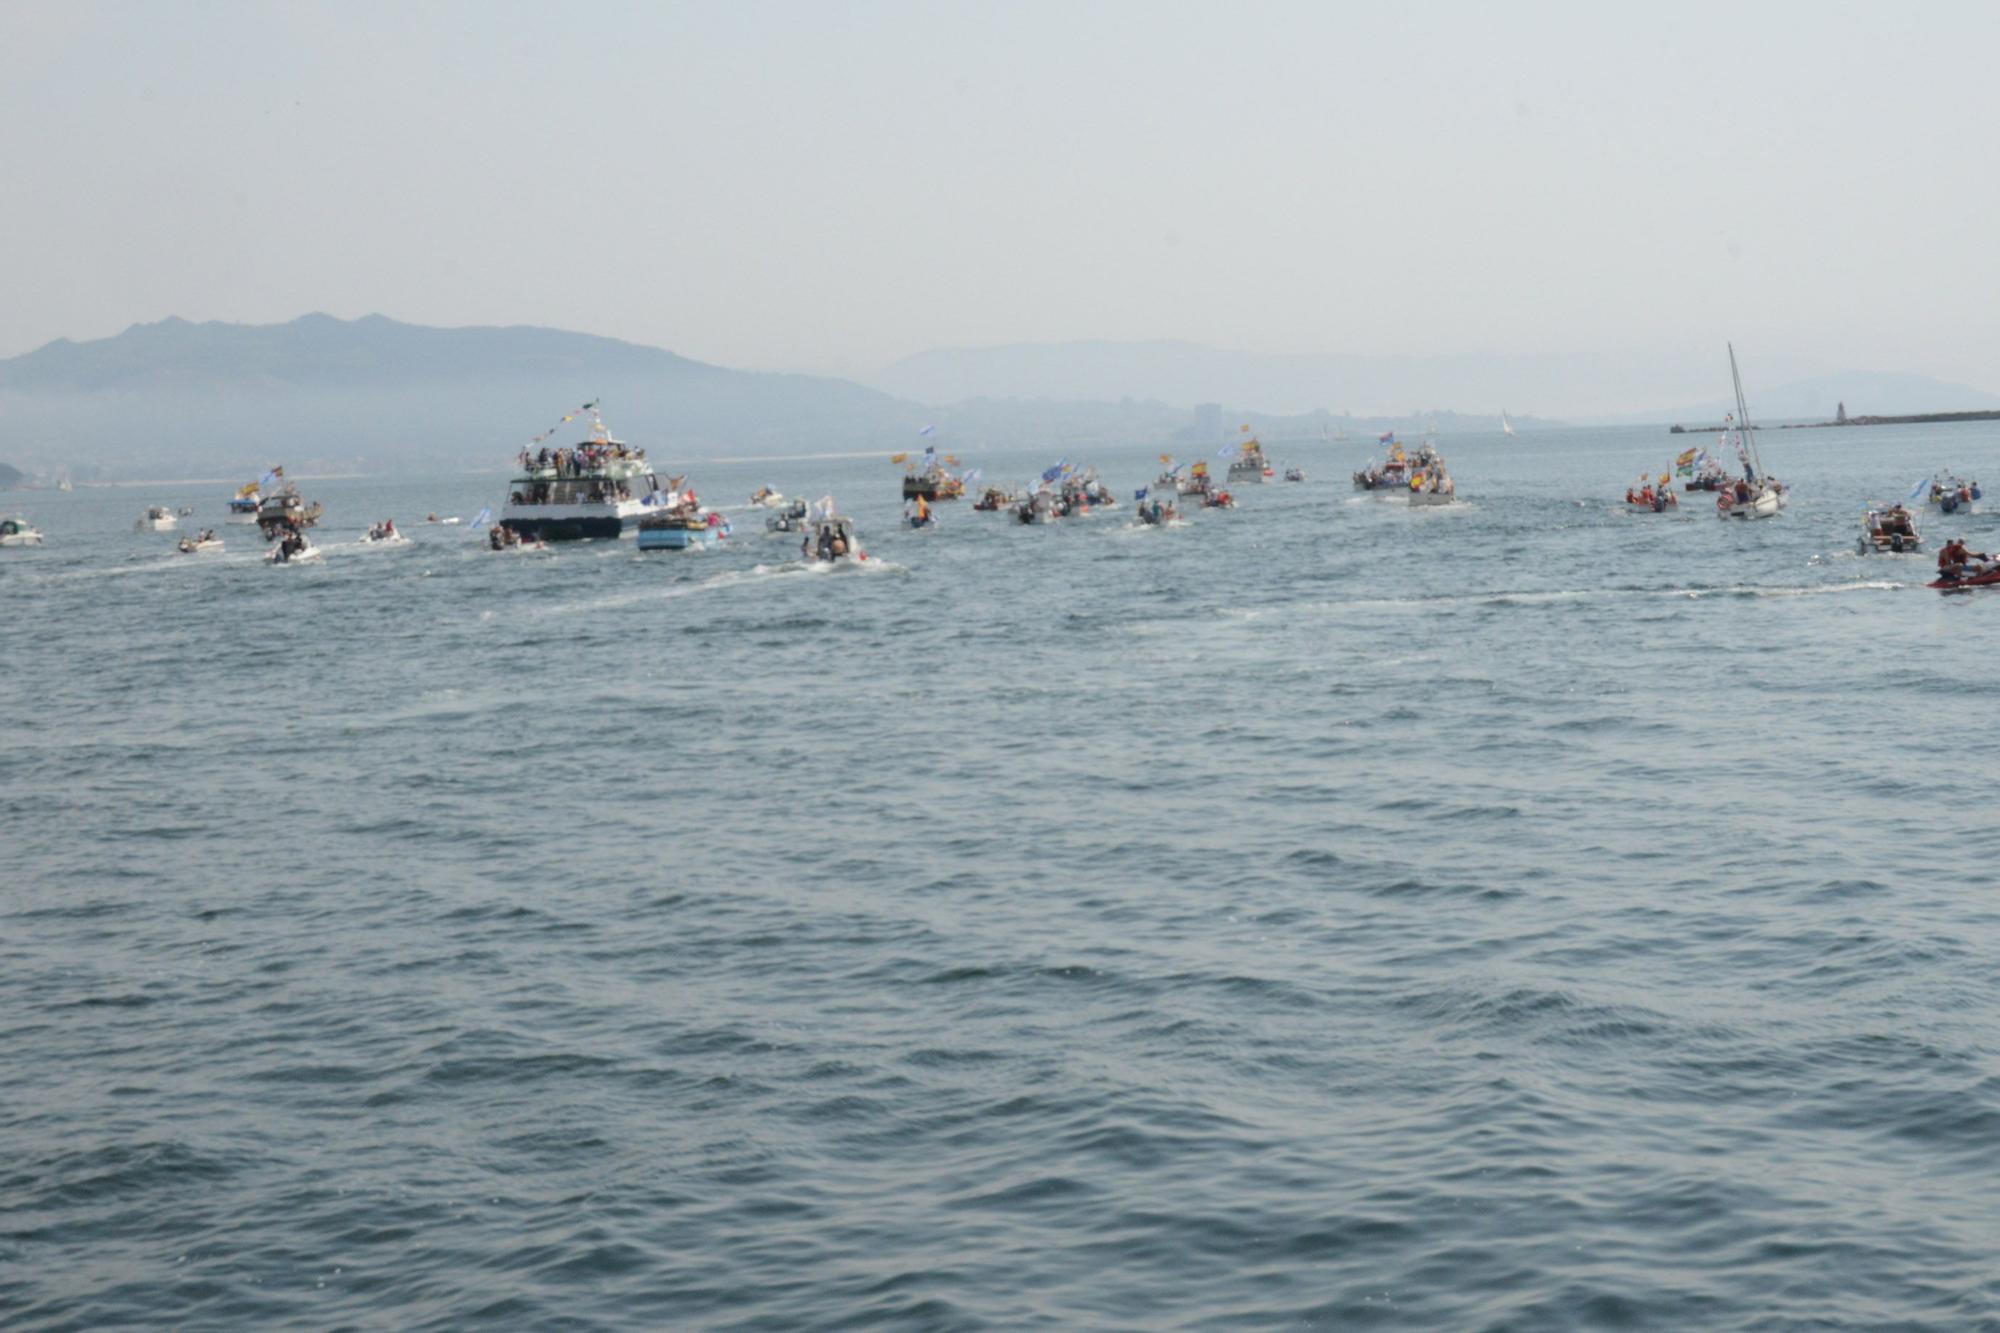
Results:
x,y
1432,498
22,539
309,556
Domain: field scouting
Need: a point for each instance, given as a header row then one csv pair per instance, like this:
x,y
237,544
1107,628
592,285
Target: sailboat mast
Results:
x,y
1743,418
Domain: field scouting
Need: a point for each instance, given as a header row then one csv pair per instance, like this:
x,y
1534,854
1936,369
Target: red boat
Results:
x,y
1988,577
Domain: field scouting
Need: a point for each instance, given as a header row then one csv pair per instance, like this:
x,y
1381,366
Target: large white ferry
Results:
x,y
599,487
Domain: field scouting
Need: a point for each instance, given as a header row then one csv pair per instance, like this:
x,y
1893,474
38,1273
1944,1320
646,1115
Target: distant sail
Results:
x,y
1506,426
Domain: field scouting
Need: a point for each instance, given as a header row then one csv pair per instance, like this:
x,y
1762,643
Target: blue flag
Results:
x,y
1139,494
1056,471
479,521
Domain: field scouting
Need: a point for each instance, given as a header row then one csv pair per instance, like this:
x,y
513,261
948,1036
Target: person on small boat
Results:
x,y
1955,562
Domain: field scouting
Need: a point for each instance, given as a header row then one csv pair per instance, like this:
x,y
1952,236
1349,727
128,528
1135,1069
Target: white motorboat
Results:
x,y
385,533
157,518
19,532
293,550
832,539
1249,466
203,543
1889,529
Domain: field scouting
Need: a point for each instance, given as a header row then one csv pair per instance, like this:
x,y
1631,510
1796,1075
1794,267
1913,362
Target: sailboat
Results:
x,y
1506,426
1758,495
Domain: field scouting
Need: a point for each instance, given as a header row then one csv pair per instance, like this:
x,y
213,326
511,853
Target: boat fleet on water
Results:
x,y
602,488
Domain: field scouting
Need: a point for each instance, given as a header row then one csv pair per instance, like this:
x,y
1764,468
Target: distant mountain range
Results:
x,y
369,393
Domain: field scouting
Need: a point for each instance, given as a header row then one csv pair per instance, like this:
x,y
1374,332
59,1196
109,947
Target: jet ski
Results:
x,y
1987,576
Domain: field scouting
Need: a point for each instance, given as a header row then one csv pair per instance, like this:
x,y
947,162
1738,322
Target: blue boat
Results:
x,y
681,529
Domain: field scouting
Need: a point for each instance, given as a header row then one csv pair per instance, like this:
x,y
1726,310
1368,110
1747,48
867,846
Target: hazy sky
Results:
x,y
830,186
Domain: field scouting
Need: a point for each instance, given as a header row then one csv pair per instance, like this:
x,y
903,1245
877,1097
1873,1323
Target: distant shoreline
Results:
x,y
1917,419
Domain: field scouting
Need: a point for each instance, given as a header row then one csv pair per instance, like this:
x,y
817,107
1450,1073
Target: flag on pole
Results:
x,y
480,519
928,430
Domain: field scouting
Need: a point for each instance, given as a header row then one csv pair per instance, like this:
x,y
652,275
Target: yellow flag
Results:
x,y
1166,458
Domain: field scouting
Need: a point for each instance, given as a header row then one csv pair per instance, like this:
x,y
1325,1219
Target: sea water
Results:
x,y
1518,914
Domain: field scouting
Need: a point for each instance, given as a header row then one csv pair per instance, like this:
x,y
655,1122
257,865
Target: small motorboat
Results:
x,y
385,534
767,497
157,518
1433,485
202,544
1218,499
792,518
1950,494
1295,474
1037,508
1648,499
500,537
1888,529
832,540
1155,511
292,549
19,532
995,498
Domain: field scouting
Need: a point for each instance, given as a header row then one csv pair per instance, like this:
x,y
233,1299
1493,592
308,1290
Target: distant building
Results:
x,y
1840,413
1207,420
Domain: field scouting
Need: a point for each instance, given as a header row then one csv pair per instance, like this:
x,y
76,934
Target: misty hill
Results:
x,y
10,477
370,393
1866,393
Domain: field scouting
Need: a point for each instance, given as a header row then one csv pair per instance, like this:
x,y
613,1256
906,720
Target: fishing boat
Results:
x,y
1888,528
18,531
769,497
286,510
681,529
832,540
1756,494
243,504
1391,474
1197,482
202,543
1249,464
596,489
157,518
929,479
995,498
1949,494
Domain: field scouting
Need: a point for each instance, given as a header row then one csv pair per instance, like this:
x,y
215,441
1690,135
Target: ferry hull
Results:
x,y
601,526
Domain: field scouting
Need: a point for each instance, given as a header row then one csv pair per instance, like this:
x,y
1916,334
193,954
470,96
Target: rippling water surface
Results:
x,y
1521,915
